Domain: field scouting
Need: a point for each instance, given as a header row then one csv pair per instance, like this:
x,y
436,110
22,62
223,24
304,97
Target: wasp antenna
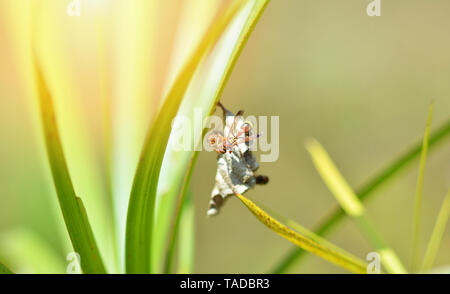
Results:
x,y
226,112
220,105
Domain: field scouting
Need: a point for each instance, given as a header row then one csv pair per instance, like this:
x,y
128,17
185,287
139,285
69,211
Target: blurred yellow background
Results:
x,y
361,85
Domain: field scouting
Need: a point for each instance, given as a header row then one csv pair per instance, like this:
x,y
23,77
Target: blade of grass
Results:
x,y
136,65
4,270
142,199
178,215
73,211
350,203
186,247
301,229
257,7
418,198
436,236
367,190
346,261
77,132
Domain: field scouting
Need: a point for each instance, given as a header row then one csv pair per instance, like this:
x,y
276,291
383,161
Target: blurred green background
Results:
x,y
361,85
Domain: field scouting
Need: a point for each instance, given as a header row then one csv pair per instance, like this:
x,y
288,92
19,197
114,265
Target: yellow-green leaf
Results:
x,y
351,204
74,214
334,180
346,261
186,246
419,190
436,236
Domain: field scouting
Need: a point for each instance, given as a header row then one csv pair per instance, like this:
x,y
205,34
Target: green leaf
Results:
x,y
436,236
73,211
337,257
350,203
141,207
137,60
367,190
301,229
82,151
203,95
334,180
178,217
418,198
186,247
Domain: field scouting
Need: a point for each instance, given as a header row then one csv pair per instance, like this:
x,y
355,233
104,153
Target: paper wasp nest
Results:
x,y
236,164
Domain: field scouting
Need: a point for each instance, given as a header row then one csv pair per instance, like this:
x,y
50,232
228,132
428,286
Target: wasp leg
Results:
x,y
214,205
261,180
220,151
240,113
236,119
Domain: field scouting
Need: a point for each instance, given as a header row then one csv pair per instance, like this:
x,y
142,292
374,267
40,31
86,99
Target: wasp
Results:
x,y
221,143
236,164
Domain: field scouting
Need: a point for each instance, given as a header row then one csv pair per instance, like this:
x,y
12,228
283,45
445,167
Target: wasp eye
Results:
x,y
247,126
212,139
